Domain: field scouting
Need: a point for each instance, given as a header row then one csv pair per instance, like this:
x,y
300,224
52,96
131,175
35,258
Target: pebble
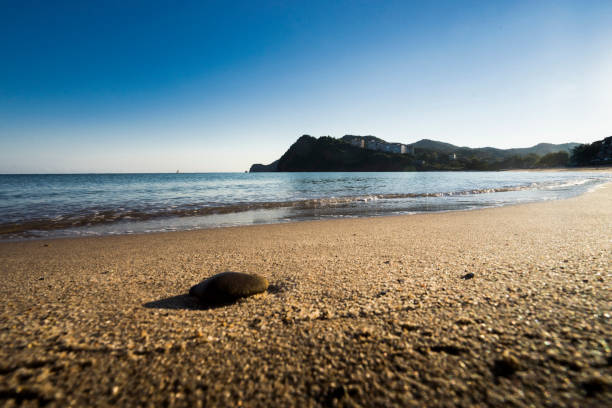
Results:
x,y
506,365
229,286
468,276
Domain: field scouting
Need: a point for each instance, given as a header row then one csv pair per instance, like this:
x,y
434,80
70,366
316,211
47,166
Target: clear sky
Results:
x,y
116,86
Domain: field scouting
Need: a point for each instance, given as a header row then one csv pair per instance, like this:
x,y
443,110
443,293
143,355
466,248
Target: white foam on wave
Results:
x,y
597,186
571,183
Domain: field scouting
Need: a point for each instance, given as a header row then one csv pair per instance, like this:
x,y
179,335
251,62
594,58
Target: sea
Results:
x,y
35,206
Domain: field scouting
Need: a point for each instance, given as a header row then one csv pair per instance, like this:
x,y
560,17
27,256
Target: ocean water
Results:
x,y
43,206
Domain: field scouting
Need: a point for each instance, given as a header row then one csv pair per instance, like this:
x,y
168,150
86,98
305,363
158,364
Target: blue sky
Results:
x,y
216,86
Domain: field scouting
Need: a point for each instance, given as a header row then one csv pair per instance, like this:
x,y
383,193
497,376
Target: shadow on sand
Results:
x,y
183,302
187,302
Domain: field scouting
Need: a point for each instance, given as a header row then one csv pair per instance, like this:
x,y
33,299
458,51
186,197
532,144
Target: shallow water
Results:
x,y
100,204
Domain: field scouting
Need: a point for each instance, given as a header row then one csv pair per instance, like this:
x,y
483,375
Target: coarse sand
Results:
x,y
359,312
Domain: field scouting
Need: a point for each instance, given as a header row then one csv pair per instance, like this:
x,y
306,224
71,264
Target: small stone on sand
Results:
x,y
228,287
468,276
506,365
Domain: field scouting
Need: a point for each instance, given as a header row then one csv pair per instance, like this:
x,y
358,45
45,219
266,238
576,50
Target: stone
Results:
x,y
506,365
227,287
595,385
468,276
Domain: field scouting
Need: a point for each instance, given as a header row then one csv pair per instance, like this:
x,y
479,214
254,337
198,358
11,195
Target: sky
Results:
x,y
156,86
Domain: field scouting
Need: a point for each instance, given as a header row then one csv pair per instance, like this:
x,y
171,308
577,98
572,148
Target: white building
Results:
x,y
358,142
380,145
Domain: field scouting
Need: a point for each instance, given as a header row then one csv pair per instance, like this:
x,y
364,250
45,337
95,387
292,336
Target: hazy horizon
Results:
x,y
202,87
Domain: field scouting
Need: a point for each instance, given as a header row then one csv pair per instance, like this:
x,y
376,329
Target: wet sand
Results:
x,y
364,312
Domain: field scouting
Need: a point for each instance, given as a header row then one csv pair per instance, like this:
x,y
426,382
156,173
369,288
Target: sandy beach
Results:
x,y
360,312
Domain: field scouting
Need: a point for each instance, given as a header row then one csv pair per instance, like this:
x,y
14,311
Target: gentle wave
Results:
x,y
97,217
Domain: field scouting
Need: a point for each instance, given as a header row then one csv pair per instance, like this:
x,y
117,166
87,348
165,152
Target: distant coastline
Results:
x,y
369,153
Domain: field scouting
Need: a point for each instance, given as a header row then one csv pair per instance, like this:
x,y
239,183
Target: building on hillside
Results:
x,y
372,145
452,156
358,142
398,148
379,145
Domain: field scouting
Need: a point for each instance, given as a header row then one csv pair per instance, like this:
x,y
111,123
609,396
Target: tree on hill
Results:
x,y
599,152
559,159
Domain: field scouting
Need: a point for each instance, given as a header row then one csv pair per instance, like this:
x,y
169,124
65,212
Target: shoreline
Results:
x,y
216,212
292,222
370,311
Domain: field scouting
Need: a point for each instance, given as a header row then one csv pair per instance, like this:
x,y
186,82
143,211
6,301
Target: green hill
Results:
x,y
355,153
329,154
